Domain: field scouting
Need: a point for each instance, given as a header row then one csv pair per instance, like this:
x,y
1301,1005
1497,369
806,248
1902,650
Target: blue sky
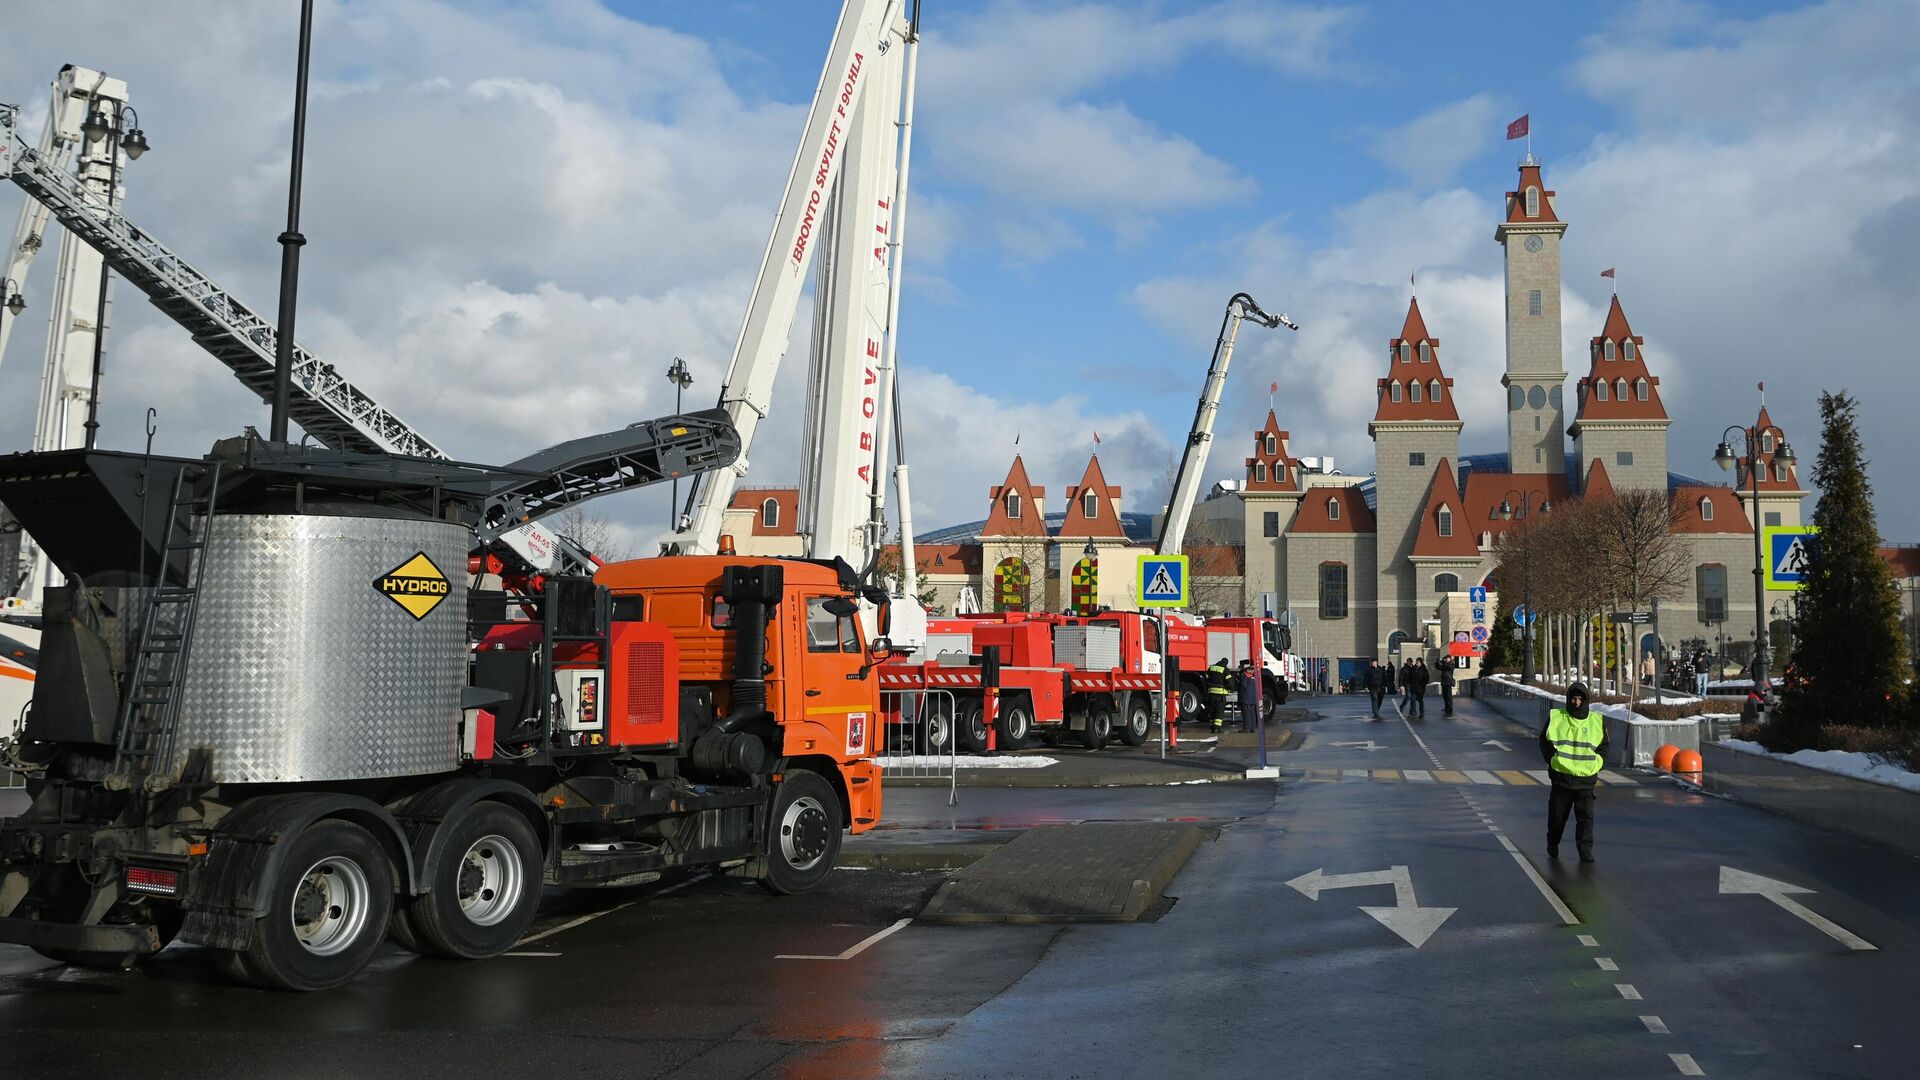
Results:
x,y
520,211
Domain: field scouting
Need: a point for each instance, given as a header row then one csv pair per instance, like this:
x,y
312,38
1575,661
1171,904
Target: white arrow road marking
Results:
x,y
1498,743
1739,881
1413,923
857,949
1368,746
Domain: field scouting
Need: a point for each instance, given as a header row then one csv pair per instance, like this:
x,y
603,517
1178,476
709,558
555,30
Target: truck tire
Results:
x,y
485,887
1276,695
972,731
1192,702
1015,724
1139,724
937,730
327,910
803,837
1099,726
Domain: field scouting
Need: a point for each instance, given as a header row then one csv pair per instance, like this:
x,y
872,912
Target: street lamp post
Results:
x,y
291,240
11,303
681,377
104,120
1505,512
1724,456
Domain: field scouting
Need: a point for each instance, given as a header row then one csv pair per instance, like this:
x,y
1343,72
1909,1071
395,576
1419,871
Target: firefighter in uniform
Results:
x,y
1574,743
1218,678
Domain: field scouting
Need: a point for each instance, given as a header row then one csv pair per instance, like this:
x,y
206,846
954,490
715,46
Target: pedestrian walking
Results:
x,y
1249,682
1447,666
1421,679
1406,687
1376,685
1700,672
1574,744
1217,678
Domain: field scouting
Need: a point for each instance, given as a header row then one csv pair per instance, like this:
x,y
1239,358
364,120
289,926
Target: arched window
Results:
x,y
1090,502
1533,202
1426,352
1273,444
1413,390
770,514
1626,348
1013,504
1444,519
1393,390
1766,442
1333,509
1433,390
1446,583
1706,508
1600,389
1606,349
1406,352
1620,388
1259,472
1640,389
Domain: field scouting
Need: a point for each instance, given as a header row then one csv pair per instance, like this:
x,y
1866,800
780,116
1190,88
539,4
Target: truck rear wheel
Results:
x,y
327,909
804,837
973,726
936,731
1016,724
1099,726
485,887
1191,704
1139,724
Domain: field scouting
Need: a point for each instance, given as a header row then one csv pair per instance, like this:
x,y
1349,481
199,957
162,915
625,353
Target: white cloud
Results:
x,y
1429,149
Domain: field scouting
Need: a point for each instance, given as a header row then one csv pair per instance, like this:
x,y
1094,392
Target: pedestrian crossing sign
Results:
x,y
1791,551
1162,581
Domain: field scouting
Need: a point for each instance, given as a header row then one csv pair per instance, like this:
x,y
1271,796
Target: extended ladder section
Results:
x,y
324,403
151,708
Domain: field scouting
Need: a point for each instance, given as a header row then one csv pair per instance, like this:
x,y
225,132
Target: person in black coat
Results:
x,y
1406,687
1421,677
1376,684
1447,665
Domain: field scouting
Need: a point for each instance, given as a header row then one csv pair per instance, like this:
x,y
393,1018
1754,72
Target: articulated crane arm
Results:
x,y
1193,459
867,31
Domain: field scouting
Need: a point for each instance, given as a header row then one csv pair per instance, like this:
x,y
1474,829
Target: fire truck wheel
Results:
x,y
973,726
1016,724
805,836
485,887
327,908
1139,724
936,731
1099,726
1190,702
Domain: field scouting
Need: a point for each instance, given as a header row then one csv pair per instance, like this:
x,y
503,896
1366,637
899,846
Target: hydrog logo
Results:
x,y
417,585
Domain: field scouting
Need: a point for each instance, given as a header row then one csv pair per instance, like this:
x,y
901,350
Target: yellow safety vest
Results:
x,y
1576,743
1217,684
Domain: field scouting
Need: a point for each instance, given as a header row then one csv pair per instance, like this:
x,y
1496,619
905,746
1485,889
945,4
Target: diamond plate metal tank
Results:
x,y
317,653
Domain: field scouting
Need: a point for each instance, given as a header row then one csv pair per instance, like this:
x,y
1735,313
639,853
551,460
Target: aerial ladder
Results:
x,y
324,403
1193,458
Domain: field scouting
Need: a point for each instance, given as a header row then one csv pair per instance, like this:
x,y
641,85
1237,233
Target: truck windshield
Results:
x,y
827,632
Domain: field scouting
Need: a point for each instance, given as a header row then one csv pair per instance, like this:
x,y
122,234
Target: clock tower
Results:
x,y
1536,412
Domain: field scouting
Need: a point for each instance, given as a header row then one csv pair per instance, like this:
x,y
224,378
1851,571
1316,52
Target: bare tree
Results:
x,y
1637,558
591,530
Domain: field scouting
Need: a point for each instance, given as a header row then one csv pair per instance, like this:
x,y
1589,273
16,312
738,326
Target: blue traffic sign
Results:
x,y
1480,633
1522,616
1162,581
1791,552
1477,594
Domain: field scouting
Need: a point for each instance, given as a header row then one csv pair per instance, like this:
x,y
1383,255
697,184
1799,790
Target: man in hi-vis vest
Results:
x,y
1574,743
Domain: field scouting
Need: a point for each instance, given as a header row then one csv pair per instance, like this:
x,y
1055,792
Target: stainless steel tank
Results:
x,y
327,648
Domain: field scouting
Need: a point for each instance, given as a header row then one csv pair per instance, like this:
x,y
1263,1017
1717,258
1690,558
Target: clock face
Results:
x,y
1533,243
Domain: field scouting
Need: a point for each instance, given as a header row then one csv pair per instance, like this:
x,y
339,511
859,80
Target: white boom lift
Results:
x,y
66,379
1193,459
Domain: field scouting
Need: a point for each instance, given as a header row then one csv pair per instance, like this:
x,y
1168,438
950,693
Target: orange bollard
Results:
x,y
1663,757
1688,766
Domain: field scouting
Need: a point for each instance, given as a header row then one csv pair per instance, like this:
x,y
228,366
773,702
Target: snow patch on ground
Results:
x,y
1840,762
940,761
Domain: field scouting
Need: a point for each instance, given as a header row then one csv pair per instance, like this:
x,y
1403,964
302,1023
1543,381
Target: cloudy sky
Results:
x,y
519,212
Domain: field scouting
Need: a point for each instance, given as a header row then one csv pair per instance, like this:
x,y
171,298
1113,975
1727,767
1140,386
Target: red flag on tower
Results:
x,y
1273,388
1608,272
1518,129
1096,438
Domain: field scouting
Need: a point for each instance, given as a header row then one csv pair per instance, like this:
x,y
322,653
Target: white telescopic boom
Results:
x,y
860,40
1193,459
888,393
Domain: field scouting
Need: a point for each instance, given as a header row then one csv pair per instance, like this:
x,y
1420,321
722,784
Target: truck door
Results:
x,y
835,692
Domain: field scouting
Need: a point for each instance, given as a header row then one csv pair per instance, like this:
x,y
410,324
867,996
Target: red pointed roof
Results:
x,y
1599,485
786,509
1631,392
1517,198
1413,371
1317,512
1276,470
944,558
1031,521
1709,509
1444,504
1524,494
1105,519
1770,438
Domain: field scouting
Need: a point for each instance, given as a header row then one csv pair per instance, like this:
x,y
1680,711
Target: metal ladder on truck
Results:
x,y
158,675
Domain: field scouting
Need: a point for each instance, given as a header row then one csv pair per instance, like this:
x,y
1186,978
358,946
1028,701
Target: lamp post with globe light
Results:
x,y
1725,457
106,119
1506,512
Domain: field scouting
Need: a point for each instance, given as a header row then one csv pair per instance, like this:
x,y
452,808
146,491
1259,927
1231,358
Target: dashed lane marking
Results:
x,y
1627,991
1655,1025
1466,777
857,949
1419,776
531,954
1559,906
571,923
1605,963
1685,1063
1615,778
1589,941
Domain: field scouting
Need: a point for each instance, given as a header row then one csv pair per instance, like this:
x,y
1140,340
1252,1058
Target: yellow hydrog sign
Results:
x,y
416,585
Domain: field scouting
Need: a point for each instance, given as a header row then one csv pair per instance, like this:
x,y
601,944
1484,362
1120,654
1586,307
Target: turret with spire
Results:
x,y
1620,421
1536,412
1415,427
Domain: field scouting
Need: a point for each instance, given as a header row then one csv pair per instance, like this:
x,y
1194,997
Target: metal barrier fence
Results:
x,y
920,738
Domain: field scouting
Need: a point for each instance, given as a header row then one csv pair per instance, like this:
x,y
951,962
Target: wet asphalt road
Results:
x,y
1243,976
